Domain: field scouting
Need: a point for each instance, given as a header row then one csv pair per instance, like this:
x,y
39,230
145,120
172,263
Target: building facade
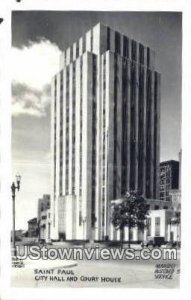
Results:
x,y
44,218
32,228
169,178
175,198
158,223
105,130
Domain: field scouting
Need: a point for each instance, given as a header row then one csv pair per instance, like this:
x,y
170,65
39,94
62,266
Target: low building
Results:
x,y
161,222
32,228
158,221
20,234
164,223
154,204
44,218
175,198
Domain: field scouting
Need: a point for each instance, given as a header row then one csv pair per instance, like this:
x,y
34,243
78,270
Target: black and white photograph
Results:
x,y
96,149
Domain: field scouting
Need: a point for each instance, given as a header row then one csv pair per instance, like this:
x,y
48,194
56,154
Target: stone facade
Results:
x,y
105,129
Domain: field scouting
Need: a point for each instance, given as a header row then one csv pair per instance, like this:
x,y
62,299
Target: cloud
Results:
x,y
33,67
35,64
26,100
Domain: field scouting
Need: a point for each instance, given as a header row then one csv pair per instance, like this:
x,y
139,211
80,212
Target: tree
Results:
x,y
130,212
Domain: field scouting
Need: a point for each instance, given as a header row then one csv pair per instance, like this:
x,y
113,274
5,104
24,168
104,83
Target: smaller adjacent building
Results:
x,y
175,224
20,234
162,221
32,228
169,178
170,191
175,198
44,218
155,204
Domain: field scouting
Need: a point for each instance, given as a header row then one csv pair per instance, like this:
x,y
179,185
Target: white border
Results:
x,y
5,97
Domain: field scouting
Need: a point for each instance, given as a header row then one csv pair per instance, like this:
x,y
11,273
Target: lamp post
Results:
x,y
14,187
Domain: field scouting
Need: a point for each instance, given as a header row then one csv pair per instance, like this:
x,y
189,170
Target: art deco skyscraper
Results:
x,y
105,130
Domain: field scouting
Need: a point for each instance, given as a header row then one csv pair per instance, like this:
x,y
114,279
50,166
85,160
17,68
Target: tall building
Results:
x,y
105,130
169,178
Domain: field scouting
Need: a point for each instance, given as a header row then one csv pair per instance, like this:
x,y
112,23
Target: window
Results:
x,y
83,44
149,226
148,57
49,230
131,234
125,46
77,49
108,38
71,53
157,226
80,218
91,49
117,43
134,50
141,54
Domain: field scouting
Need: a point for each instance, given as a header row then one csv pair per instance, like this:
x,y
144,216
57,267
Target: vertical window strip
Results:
x,y
141,54
134,50
55,126
108,38
81,121
55,148
83,44
81,124
61,134
73,124
94,78
141,128
155,132
125,47
133,129
115,127
67,130
117,42
124,128
77,49
104,139
148,132
148,57
71,53
91,40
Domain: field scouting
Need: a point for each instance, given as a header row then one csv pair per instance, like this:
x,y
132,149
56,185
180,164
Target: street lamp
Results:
x,y
14,187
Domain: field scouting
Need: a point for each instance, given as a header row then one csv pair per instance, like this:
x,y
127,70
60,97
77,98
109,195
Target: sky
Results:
x,y
38,37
